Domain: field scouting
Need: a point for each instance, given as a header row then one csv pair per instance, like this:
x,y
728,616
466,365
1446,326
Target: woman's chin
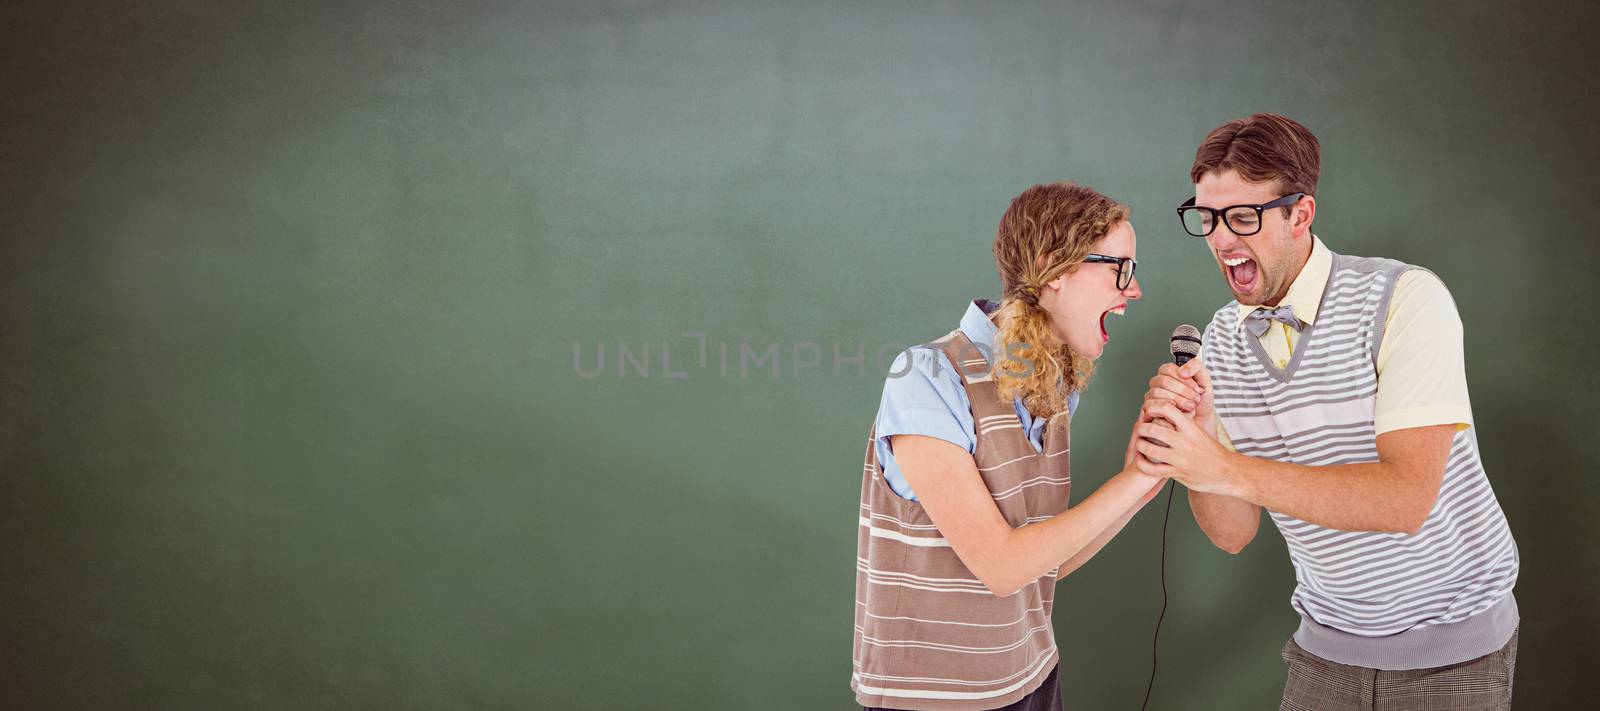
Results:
x,y
1089,346
1091,350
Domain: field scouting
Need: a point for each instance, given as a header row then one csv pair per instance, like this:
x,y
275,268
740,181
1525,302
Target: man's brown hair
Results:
x,y
1262,148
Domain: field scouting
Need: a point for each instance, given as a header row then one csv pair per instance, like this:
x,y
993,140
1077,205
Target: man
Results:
x,y
1332,392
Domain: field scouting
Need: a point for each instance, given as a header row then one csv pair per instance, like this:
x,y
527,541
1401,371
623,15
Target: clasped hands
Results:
x,y
1176,433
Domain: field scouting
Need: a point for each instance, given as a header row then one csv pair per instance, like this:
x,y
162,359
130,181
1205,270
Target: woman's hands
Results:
x,y
1187,386
1176,433
1173,445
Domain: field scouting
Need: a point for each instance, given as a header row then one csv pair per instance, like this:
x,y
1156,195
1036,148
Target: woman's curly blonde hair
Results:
x,y
1046,232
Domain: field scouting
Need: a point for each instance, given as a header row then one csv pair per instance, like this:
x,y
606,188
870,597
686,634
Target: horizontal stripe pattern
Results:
x,y
1320,412
929,633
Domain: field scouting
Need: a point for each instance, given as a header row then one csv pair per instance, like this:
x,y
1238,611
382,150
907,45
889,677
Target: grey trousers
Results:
x,y
1316,684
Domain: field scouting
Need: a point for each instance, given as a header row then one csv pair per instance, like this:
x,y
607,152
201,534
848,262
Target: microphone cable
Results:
x,y
1164,518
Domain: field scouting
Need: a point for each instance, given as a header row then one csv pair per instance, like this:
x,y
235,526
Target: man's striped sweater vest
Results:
x,y
1380,600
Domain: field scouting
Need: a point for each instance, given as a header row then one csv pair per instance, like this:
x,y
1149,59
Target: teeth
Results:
x,y
1120,310
1236,261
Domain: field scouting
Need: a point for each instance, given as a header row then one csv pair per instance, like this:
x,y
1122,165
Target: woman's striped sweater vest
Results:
x,y
1366,598
928,634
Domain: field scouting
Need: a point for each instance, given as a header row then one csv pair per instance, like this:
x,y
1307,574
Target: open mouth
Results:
x,y
1119,310
1243,273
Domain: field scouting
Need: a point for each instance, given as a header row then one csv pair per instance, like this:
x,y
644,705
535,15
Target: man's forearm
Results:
x,y
1373,496
1230,523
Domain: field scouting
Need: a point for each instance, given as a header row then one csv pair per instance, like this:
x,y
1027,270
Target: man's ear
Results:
x,y
1301,216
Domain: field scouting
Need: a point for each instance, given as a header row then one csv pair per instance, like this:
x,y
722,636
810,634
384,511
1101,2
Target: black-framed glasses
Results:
x,y
1126,266
1242,219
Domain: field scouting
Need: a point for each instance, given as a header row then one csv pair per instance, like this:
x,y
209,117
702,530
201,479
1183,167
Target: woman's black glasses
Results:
x,y
1125,267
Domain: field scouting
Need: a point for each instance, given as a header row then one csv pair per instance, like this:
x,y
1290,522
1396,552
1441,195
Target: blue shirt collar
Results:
x,y
978,328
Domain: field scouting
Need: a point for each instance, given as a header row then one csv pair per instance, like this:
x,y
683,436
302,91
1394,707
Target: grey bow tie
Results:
x,y
1257,321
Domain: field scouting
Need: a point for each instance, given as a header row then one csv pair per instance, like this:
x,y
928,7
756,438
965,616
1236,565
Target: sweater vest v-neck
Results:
x,y
928,633
1377,600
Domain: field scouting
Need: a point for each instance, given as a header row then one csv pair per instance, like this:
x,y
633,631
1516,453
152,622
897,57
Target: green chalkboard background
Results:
x,y
332,335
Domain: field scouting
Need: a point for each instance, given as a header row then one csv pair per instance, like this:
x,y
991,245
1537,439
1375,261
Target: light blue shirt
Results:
x,y
925,397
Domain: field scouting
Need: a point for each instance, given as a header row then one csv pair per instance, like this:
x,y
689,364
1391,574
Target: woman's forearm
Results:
x,y
1031,551
1003,558
1105,536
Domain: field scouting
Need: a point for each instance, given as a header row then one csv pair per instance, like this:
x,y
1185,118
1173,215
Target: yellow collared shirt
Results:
x,y
1422,378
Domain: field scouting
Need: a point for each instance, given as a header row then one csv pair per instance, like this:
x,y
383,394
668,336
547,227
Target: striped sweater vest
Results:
x,y
928,633
1369,589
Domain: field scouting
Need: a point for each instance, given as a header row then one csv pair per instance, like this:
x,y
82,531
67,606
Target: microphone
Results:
x,y
1185,343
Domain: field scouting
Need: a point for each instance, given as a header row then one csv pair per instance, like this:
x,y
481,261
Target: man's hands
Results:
x,y
1188,387
1173,445
1176,436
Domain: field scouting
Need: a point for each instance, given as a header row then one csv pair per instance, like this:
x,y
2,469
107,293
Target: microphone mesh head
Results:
x,y
1185,342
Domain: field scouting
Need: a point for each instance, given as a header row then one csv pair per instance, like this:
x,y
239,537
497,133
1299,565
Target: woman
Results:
x,y
964,526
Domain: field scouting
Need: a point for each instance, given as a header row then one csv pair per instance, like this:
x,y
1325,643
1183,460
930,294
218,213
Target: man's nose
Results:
x,y
1223,237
